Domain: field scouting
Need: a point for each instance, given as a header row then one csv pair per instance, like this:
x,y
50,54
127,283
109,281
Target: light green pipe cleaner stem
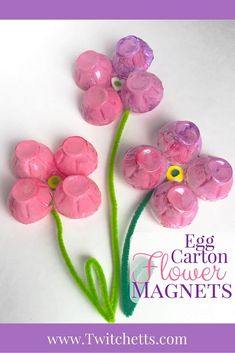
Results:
x,y
114,213
128,305
92,265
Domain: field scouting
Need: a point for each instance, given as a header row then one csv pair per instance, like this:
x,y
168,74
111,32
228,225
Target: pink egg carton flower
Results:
x,y
176,172
114,88
139,91
58,181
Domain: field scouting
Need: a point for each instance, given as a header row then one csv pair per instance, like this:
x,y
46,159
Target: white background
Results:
x,y
39,100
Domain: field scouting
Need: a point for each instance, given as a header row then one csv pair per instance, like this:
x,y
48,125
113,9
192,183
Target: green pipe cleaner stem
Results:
x,y
92,265
114,213
128,305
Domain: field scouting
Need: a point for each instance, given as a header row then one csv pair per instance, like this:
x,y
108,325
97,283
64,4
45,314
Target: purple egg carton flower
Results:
x,y
177,174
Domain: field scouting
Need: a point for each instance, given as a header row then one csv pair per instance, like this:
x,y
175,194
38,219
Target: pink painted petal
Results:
x,y
77,197
144,167
180,141
101,106
141,92
174,205
210,178
33,160
76,156
93,68
30,200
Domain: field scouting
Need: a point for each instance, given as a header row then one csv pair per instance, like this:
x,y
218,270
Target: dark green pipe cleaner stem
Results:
x,y
128,305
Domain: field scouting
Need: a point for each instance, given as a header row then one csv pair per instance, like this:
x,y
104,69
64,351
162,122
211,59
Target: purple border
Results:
x,y
121,9
200,337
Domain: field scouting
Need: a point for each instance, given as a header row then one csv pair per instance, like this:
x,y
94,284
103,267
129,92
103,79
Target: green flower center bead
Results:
x,y
117,83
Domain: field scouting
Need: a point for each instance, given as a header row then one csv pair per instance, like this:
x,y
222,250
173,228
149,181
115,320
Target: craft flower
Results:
x,y
186,176
176,176
54,181
59,182
112,88
140,91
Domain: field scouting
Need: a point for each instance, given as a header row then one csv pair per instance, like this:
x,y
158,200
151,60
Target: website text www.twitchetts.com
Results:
x,y
110,339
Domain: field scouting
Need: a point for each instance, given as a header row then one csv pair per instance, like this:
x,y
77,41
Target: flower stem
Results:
x,y
114,213
88,290
128,305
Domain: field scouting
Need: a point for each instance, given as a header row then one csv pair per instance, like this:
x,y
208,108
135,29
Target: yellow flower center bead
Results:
x,y
53,181
175,173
